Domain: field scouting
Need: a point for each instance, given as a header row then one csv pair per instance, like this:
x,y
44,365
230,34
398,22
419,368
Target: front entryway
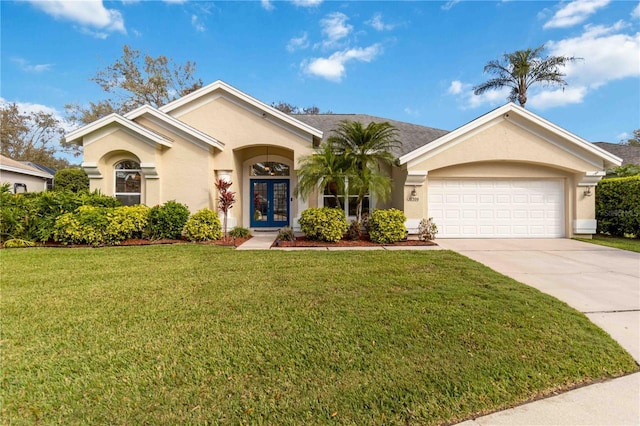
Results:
x,y
270,203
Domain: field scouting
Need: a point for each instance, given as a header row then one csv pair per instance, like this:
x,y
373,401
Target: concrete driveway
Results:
x,y
603,283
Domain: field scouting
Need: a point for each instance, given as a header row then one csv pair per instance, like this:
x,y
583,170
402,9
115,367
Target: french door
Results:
x,y
270,203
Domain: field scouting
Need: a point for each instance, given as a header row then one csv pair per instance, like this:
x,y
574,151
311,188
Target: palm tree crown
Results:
x,y
365,149
522,68
321,169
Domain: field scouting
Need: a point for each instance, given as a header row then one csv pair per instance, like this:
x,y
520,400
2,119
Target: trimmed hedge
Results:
x,y
323,224
618,206
204,225
86,225
74,180
387,226
167,220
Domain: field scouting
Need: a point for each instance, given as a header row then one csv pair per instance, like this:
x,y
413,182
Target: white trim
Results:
x,y
502,113
114,118
591,178
92,170
267,110
166,119
585,226
416,177
27,172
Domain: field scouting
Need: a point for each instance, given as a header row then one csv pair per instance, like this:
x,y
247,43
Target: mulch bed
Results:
x,y
365,242
231,242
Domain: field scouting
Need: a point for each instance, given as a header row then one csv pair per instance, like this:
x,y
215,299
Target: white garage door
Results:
x,y
463,208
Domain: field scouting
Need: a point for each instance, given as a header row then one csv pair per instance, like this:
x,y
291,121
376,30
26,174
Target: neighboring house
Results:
x,y
22,177
45,169
628,153
508,173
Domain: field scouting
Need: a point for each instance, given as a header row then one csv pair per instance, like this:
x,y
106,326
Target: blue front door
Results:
x,y
270,203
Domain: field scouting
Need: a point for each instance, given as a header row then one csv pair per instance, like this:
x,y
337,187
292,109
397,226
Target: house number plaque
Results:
x,y
413,199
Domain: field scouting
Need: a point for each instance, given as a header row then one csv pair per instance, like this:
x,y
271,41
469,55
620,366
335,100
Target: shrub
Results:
x,y
240,232
86,225
387,226
427,230
167,220
18,243
355,230
126,222
204,225
285,234
74,180
618,206
323,224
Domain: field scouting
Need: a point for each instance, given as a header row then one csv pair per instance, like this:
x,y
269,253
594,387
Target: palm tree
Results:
x,y
522,68
365,149
322,169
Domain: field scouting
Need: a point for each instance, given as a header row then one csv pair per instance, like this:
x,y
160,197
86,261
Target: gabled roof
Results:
x,y
9,165
504,112
630,154
411,136
148,134
255,103
174,123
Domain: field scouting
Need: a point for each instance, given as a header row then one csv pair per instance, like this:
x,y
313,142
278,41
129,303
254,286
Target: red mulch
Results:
x,y
365,242
142,242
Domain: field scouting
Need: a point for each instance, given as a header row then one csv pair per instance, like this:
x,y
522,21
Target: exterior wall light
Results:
x,y
587,192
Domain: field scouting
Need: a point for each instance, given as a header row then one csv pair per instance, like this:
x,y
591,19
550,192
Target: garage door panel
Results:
x,y
497,208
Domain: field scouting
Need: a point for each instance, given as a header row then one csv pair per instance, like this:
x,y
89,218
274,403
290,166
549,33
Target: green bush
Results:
x,y
323,224
618,206
86,225
167,220
387,226
32,216
74,180
126,222
204,225
240,232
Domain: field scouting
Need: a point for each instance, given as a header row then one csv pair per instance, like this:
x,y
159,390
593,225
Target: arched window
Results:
x,y
128,182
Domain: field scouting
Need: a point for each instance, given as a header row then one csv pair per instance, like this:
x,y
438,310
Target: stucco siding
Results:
x,y
34,183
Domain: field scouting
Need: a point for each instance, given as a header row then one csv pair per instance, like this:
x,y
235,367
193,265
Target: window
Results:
x,y
128,182
269,168
331,198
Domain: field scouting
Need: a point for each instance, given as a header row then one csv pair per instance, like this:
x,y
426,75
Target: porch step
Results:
x,y
259,241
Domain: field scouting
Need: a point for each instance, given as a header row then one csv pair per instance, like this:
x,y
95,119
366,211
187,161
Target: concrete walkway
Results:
x,y
603,283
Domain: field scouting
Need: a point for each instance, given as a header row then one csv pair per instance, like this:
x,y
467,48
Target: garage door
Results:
x,y
464,208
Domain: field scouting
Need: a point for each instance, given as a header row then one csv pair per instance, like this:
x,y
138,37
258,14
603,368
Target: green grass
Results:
x,y
195,334
631,244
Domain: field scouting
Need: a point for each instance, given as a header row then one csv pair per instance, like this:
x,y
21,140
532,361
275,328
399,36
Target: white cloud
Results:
x,y
467,100
635,13
377,23
175,1
26,66
197,24
298,43
412,112
306,3
557,97
574,13
455,87
448,5
333,67
335,28
607,53
93,17
267,5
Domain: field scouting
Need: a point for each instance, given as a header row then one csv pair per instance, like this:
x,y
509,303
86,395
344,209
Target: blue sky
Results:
x,y
408,61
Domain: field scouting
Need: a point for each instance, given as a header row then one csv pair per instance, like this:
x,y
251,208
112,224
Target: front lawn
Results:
x,y
196,334
631,244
